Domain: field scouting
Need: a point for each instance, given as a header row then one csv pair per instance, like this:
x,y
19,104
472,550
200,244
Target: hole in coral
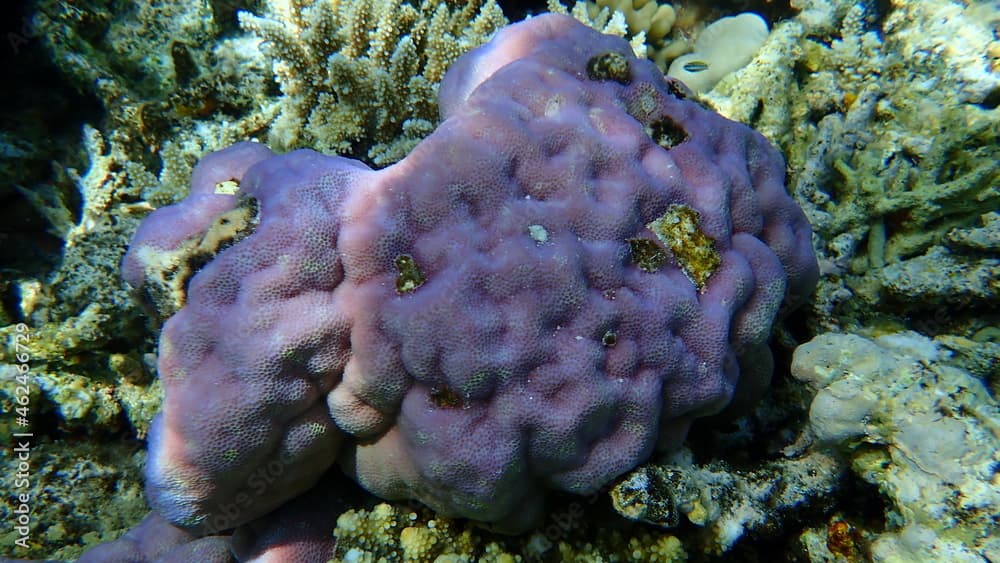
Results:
x,y
667,133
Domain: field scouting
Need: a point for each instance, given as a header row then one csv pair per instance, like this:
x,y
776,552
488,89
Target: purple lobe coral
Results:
x,y
574,266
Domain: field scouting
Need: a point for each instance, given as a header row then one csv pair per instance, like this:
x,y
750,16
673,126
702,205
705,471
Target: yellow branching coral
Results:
x,y
604,19
361,77
645,23
642,16
392,533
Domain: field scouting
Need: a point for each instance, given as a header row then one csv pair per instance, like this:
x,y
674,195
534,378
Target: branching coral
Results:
x,y
621,19
892,144
361,78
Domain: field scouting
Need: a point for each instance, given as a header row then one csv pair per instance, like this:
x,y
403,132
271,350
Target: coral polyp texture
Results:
x,y
576,264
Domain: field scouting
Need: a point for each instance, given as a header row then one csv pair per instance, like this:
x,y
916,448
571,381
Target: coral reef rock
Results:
x,y
922,430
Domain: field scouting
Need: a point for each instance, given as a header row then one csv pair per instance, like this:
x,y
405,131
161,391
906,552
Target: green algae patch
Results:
x,y
679,229
409,276
609,339
445,398
646,254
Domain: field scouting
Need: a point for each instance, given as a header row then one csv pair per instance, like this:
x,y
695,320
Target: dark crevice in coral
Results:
x,y
667,133
47,426
10,312
758,110
711,10
224,12
27,248
445,397
950,318
991,101
677,89
790,332
875,13
185,68
40,122
863,501
517,10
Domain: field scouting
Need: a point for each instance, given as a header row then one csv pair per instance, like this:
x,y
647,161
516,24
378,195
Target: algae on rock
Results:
x,y
81,313
727,503
926,432
82,494
393,532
